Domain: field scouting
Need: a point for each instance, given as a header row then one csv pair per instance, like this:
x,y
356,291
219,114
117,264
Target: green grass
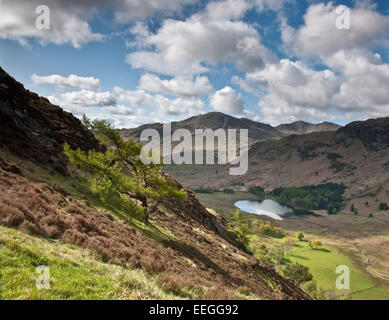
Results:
x,y
74,272
322,264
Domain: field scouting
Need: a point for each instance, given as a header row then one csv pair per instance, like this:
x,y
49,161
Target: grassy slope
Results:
x,y
75,273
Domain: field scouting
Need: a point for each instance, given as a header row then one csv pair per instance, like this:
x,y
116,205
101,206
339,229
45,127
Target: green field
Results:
x,y
322,264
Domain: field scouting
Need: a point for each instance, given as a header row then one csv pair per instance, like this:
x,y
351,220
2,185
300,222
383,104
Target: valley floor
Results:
x,y
358,241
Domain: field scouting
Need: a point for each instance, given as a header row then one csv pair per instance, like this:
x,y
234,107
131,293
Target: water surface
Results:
x,y
268,207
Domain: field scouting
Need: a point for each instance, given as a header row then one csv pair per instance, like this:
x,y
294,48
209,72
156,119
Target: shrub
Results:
x,y
240,225
315,244
297,273
205,190
383,206
257,190
269,228
299,236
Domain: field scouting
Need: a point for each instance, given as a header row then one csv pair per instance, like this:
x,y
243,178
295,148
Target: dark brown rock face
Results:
x,y
33,128
373,133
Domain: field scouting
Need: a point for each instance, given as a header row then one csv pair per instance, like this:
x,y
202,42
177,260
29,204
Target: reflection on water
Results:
x,y
267,207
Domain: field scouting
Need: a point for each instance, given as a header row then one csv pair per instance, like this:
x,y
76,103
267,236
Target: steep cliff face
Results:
x,y
184,242
33,128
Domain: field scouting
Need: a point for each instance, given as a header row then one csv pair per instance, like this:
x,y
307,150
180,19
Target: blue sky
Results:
x,y
273,61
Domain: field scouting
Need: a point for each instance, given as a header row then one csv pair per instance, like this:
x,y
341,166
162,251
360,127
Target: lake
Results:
x,y
268,207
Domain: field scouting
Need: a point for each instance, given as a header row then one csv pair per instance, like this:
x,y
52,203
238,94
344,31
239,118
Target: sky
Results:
x,y
135,62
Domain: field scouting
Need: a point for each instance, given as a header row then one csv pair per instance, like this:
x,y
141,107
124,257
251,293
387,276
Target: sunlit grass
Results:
x,y
74,272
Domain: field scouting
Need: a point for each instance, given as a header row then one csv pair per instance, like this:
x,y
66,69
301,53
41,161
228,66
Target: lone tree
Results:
x,y
315,244
119,172
297,273
240,224
299,236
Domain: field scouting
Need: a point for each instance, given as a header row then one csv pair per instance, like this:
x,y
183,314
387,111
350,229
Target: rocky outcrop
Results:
x,y
374,133
33,128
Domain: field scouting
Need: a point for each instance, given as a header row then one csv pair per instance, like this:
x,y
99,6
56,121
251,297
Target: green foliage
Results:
x,y
268,228
271,256
327,196
314,291
352,207
299,236
229,191
315,244
240,225
297,273
119,172
205,190
383,206
257,190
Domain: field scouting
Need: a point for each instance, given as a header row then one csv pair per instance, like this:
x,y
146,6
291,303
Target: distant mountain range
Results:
x,y
294,154
257,131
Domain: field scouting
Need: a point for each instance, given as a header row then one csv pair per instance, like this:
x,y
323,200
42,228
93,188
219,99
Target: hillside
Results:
x,y
215,120
301,127
184,252
32,128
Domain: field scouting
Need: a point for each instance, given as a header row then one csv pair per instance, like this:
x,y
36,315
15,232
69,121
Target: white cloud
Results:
x,y
72,81
276,110
355,86
77,101
200,42
184,86
296,83
66,24
226,10
275,5
133,10
320,36
227,100
69,20
119,110
365,82
164,105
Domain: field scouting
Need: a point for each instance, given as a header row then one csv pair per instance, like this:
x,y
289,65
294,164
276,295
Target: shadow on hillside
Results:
x,y
299,257
194,254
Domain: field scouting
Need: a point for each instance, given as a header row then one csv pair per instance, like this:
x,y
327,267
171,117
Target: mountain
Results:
x,y
356,155
47,216
301,127
215,120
